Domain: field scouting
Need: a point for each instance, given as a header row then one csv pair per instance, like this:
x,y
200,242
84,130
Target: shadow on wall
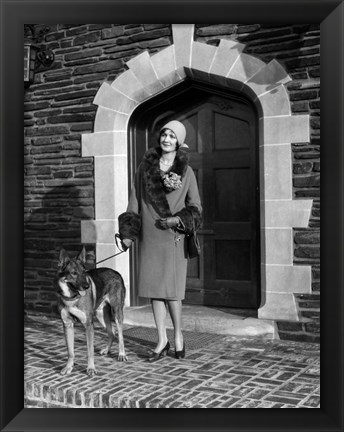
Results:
x,y
52,223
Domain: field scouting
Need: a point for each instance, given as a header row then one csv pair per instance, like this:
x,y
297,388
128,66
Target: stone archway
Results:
x,y
226,66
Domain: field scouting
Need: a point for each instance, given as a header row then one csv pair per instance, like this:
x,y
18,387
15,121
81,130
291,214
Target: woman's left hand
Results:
x,y
170,222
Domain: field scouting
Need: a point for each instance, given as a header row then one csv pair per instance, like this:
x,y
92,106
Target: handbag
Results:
x,y
193,247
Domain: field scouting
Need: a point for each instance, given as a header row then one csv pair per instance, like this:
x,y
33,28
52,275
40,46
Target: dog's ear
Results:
x,y
63,258
82,256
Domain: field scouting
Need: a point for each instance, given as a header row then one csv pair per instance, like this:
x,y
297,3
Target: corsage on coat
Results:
x,y
153,180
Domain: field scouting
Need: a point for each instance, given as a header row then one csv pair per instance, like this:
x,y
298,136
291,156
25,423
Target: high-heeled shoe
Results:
x,y
180,354
158,355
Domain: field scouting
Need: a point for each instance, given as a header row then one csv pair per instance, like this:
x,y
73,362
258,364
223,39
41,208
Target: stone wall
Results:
x,y
59,184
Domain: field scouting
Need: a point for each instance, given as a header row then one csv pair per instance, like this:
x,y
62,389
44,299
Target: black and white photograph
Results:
x,y
142,142
162,239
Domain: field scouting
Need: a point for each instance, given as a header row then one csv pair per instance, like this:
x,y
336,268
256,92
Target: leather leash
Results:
x,y
118,253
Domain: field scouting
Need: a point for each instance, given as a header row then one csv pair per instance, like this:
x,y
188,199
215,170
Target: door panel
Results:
x,y
238,130
233,183
232,260
222,139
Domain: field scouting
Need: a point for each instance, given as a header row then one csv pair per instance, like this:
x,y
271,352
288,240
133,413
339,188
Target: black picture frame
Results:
x,y
13,16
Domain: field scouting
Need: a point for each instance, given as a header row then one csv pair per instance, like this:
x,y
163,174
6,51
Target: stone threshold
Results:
x,y
207,320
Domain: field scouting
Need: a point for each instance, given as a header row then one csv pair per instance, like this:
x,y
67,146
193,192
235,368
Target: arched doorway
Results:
x,y
223,145
226,66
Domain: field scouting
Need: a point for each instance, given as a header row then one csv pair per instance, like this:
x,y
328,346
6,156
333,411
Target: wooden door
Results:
x,y
221,134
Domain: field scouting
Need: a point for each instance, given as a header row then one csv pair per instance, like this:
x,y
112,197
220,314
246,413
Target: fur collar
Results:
x,y
152,177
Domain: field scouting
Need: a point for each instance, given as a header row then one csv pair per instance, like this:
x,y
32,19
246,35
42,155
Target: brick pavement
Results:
x,y
218,372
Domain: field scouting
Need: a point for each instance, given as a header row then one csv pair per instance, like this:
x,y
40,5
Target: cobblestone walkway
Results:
x,y
218,372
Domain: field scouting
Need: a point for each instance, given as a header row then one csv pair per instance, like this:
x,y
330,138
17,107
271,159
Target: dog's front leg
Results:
x,y
68,327
91,370
121,355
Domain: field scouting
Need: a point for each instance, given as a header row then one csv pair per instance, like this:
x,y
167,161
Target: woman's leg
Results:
x,y
175,308
159,313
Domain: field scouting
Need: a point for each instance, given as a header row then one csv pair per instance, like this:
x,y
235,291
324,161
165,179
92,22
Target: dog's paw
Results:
x,y
91,371
66,370
122,358
104,352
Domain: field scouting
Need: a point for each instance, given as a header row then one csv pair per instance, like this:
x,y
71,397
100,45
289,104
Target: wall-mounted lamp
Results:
x,y
34,56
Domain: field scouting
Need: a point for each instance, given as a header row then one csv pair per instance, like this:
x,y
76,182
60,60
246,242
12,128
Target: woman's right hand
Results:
x,y
126,243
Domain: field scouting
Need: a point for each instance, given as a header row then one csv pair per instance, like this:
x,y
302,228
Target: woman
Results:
x,y
164,204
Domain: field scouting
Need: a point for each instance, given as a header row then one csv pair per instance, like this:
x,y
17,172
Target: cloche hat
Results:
x,y
179,129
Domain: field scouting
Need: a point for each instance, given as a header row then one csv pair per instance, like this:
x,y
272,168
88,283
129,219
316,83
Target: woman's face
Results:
x,y
168,140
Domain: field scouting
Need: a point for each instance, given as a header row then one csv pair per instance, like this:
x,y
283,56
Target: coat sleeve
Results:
x,y
129,222
191,214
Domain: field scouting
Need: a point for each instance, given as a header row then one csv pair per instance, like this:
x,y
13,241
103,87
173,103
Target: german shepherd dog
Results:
x,y
83,294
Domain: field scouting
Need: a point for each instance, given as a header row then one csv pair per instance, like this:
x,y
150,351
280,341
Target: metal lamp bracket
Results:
x,y
45,57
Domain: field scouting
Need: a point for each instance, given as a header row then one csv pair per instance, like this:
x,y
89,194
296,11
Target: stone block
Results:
x,y
152,35
303,167
171,79
245,67
287,213
268,78
111,186
121,184
108,97
70,118
217,29
130,86
227,53
286,129
299,107
80,54
183,35
86,38
104,168
82,127
288,279
307,193
33,106
48,130
307,237
275,102
278,245
313,327
181,73
308,252
112,32
97,231
279,306
164,66
289,326
104,66
108,120
202,56
316,167
142,67
315,104
303,95
277,168
303,62
104,143
311,180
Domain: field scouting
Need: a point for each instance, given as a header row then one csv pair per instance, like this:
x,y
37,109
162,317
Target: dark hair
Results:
x,y
162,131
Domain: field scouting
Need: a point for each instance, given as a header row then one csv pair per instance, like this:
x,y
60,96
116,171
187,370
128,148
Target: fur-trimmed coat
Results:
x,y
162,255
